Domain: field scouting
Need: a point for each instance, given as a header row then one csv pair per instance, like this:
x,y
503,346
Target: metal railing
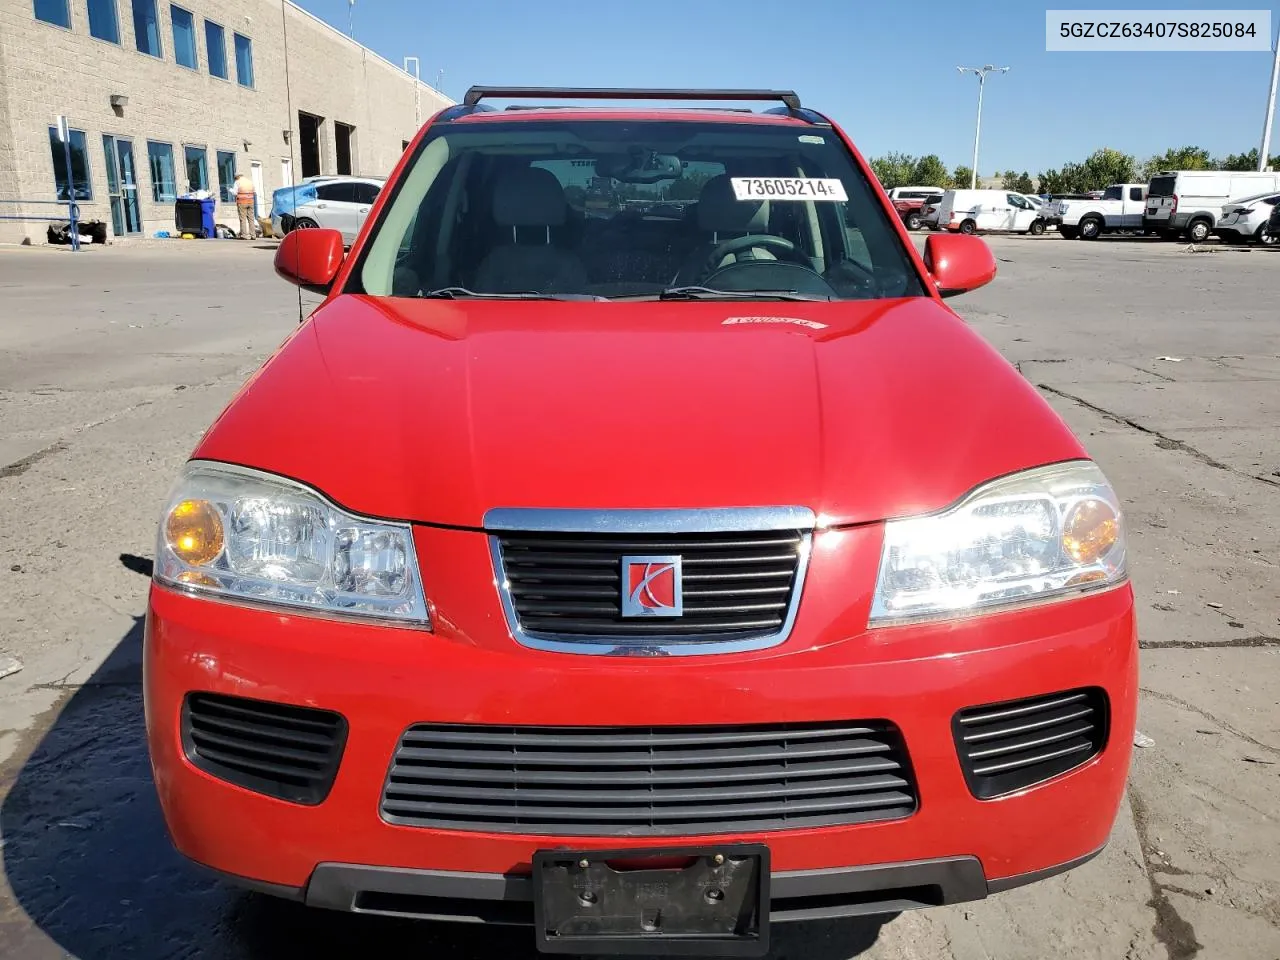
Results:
x,y
73,215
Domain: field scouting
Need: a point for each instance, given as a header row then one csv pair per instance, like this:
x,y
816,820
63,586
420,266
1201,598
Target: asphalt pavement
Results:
x,y
1165,360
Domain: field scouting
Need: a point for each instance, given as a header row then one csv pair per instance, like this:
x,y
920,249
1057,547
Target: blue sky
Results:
x,y
884,71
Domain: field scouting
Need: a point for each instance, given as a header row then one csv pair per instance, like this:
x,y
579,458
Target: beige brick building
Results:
x,y
147,94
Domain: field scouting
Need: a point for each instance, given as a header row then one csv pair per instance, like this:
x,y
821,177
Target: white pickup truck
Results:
x,y
1120,208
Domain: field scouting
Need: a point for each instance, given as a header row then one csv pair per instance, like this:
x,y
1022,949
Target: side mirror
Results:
x,y
310,258
957,263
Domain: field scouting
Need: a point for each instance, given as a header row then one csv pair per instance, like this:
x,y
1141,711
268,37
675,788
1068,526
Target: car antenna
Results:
x,y
293,166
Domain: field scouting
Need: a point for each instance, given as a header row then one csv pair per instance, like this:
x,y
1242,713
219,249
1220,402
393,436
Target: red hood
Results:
x,y
437,410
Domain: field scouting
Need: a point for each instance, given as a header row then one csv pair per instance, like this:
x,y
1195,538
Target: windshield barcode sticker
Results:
x,y
788,188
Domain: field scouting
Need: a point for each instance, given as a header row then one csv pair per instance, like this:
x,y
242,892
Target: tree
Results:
x,y
1181,158
1100,169
961,178
894,169
929,171
1247,162
1017,182
1105,167
1051,181
688,187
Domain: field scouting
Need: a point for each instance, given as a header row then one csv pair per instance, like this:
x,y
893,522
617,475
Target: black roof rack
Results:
x,y
574,106
476,94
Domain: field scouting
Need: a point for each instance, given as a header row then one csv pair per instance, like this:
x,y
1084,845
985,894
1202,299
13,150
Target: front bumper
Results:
x,y
508,898
383,680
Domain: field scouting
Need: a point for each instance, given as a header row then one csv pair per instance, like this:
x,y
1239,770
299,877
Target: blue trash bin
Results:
x,y
195,216
207,208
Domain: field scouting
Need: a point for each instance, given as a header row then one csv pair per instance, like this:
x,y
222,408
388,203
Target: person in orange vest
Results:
x,y
245,206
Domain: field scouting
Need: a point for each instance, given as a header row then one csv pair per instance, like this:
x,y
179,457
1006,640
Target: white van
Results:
x,y
974,211
1191,201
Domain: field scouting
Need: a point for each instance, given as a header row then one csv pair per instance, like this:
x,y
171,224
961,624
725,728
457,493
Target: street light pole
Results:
x,y
1271,111
981,73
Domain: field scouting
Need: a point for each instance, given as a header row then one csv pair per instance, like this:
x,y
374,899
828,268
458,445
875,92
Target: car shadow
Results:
x,y
89,862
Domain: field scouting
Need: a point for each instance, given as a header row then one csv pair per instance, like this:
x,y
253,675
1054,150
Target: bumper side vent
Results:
x,y
291,753
1005,747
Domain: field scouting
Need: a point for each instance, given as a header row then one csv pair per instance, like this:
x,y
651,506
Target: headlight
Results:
x,y
1048,532
242,534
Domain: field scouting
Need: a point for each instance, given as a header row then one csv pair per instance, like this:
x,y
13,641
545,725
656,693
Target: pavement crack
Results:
x,y
1186,705
1162,441
19,467
1259,642
1173,931
1153,373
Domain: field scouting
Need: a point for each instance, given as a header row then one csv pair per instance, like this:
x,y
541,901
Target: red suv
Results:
x,y
647,573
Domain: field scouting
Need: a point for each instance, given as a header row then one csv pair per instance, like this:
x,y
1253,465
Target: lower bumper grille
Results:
x,y
291,753
1009,746
648,781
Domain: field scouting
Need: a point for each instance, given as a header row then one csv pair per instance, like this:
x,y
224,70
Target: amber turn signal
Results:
x,y
1092,528
194,531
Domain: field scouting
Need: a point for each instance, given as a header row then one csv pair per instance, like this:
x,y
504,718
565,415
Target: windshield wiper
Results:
x,y
709,293
462,293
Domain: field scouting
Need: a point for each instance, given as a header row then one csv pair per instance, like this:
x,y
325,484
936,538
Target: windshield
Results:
x,y
1162,186
610,209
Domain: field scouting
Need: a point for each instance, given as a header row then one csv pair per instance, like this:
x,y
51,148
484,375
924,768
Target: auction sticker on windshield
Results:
x,y
788,188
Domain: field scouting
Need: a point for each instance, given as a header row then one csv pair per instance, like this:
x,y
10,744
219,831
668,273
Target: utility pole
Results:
x,y
351,19
981,73
1265,150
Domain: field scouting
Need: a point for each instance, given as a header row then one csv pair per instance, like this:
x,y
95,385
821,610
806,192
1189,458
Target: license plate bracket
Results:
x,y
703,901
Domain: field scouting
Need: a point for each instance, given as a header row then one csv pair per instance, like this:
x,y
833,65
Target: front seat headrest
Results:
x,y
719,211
530,197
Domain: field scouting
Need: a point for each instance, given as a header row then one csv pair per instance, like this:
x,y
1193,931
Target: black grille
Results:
x,y
735,585
1010,746
648,781
287,752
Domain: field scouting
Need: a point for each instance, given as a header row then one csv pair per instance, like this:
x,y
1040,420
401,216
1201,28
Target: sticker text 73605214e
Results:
x,y
788,188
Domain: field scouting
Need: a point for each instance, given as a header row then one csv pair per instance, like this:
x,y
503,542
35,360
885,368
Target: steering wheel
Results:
x,y
739,244
854,274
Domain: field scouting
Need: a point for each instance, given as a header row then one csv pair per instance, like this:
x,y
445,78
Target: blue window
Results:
x,y
215,39
226,176
160,158
146,27
103,23
184,37
244,60
197,168
54,11
79,165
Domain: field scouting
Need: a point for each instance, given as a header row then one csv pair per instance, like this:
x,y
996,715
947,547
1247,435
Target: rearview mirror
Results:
x,y
958,263
639,166
310,258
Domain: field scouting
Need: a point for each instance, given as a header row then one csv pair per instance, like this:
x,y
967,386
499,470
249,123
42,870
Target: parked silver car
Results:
x,y
337,202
